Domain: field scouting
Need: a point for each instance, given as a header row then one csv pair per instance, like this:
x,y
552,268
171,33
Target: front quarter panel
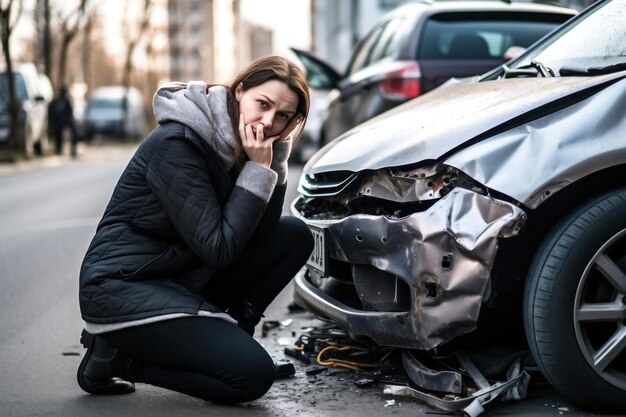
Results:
x,y
533,161
430,126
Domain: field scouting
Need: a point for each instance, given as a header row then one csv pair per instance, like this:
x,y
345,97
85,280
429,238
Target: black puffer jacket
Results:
x,y
176,215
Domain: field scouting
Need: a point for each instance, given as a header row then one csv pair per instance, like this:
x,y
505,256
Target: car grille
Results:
x,y
325,184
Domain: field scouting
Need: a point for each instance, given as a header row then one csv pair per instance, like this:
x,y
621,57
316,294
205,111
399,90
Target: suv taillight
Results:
x,y
402,81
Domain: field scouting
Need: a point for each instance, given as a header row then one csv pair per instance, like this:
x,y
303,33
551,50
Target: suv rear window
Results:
x,y
481,35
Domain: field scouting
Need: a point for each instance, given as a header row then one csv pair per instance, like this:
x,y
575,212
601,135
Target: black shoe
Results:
x,y
96,370
283,370
247,315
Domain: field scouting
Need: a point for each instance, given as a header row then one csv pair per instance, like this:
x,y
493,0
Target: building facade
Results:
x,y
190,30
338,26
209,41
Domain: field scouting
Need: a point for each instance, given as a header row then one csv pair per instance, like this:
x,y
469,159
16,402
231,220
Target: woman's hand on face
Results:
x,y
256,146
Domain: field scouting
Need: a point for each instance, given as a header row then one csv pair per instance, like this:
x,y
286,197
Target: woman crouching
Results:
x,y
192,247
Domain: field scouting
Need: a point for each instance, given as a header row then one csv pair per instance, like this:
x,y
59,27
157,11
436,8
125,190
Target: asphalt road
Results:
x,y
49,209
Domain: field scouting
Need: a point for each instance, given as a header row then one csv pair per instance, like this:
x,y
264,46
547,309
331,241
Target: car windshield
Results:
x,y
18,82
597,41
98,104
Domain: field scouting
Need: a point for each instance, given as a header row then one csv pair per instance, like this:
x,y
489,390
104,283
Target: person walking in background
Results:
x,y
192,247
61,117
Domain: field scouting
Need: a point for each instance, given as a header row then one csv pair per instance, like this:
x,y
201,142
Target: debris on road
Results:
x,y
390,402
456,382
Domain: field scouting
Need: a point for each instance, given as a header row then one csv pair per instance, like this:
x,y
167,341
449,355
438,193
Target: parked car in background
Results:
x,y
494,208
309,141
418,46
114,111
34,92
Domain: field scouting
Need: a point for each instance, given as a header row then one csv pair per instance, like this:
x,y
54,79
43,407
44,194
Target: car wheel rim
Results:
x,y
600,311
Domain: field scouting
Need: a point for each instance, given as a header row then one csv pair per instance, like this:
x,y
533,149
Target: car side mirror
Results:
x,y
513,52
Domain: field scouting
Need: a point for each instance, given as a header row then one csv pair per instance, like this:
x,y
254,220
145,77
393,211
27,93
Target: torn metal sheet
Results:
x,y
533,161
426,378
443,256
413,185
518,391
513,388
416,185
472,370
472,406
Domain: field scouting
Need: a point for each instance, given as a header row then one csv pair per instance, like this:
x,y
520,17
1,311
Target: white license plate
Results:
x,y
319,257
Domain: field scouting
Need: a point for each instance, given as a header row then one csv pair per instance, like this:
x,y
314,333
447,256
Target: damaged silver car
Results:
x,y
492,205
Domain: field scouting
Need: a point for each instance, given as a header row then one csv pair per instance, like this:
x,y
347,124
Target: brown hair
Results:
x,y
265,69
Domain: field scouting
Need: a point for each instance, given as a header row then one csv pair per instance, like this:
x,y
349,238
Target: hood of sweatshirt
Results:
x,y
203,111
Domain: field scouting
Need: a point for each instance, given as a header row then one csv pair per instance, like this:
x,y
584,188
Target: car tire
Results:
x,y
575,305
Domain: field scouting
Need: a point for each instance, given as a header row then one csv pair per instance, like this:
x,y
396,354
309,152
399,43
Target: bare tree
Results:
x,y
102,68
133,40
8,20
86,46
70,25
44,36
152,75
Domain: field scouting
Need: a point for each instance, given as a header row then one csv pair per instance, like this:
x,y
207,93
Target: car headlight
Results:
x,y
391,192
419,184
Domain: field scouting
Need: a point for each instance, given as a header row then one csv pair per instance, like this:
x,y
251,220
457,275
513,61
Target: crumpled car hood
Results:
x,y
431,125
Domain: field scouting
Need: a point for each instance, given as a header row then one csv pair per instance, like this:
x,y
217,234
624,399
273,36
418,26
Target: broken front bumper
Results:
x,y
421,278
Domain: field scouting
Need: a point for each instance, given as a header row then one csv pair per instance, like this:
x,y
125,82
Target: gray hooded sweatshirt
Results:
x,y
206,114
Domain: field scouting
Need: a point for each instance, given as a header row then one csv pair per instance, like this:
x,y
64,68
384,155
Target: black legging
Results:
x,y
204,357
211,358
264,268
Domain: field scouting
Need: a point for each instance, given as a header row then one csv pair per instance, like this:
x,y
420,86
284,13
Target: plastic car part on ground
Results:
x,y
469,390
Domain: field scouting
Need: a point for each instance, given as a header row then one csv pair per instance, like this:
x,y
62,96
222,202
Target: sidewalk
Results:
x,y
96,151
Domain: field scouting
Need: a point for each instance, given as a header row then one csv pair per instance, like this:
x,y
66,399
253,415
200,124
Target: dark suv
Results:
x,y
418,46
